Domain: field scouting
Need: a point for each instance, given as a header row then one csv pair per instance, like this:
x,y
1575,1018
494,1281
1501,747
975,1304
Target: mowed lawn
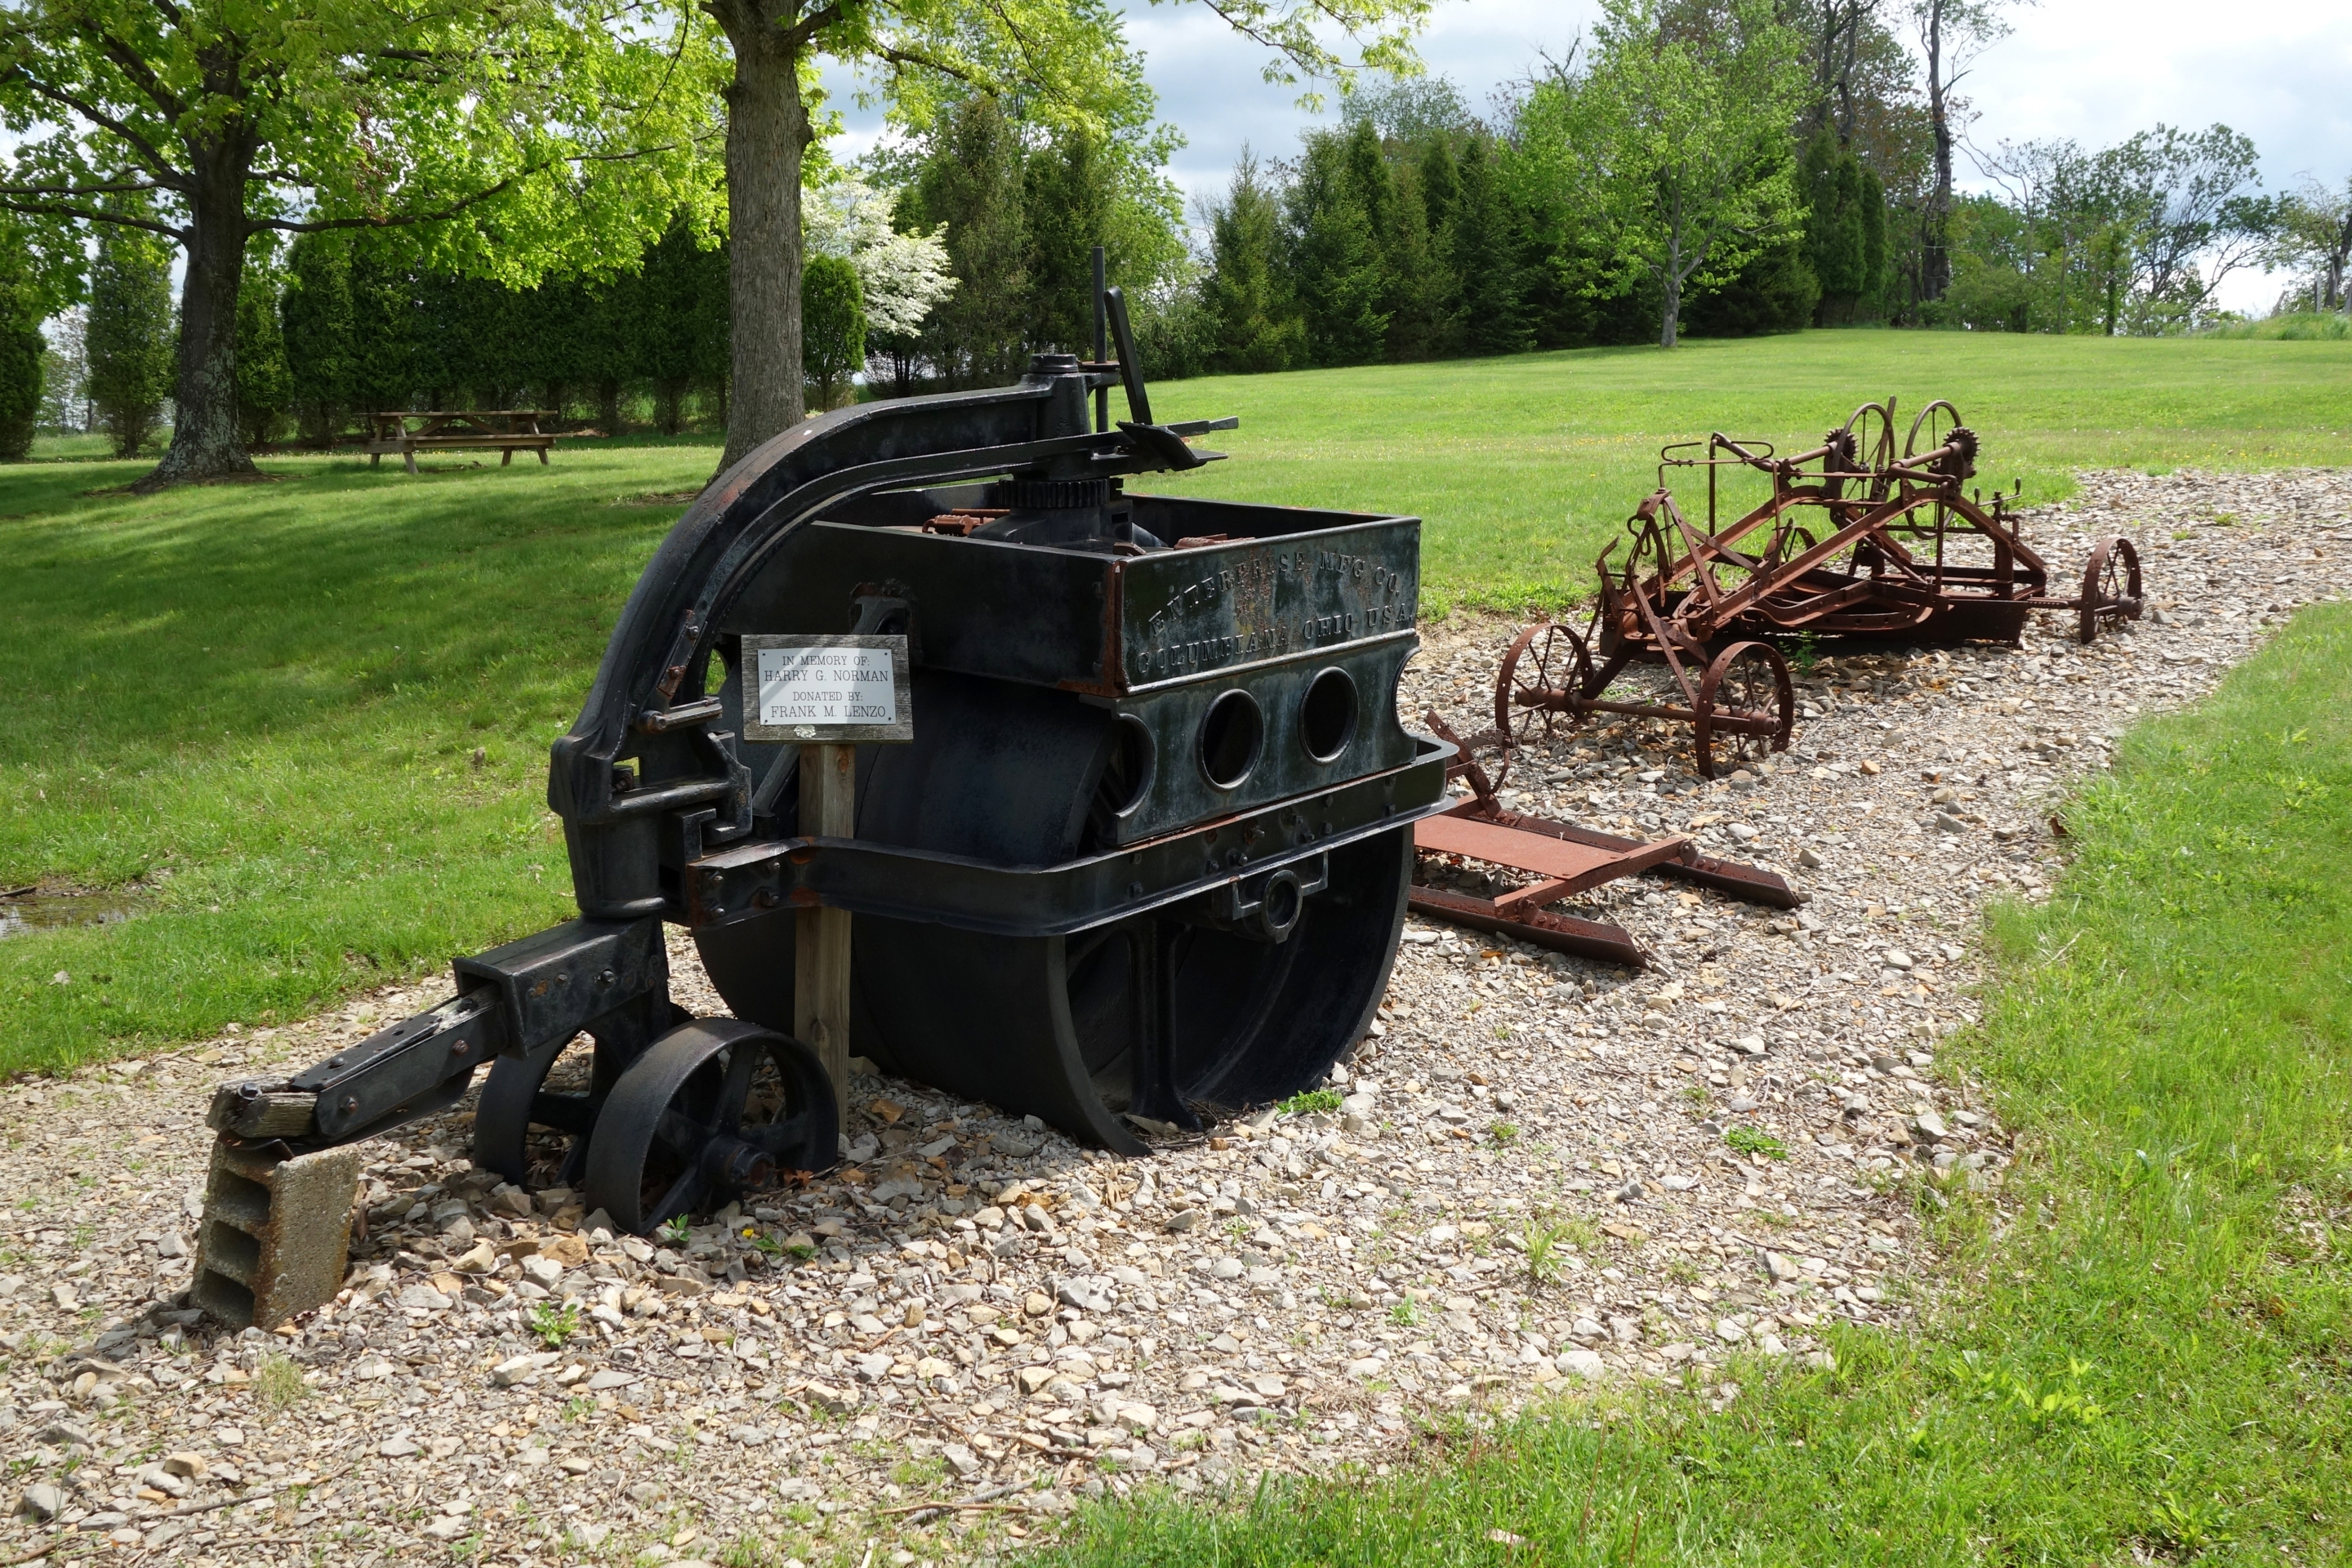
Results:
x,y
1523,468
259,705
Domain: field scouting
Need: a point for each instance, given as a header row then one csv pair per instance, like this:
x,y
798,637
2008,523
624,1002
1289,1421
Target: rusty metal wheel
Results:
x,y
2110,586
1547,666
1749,682
713,1108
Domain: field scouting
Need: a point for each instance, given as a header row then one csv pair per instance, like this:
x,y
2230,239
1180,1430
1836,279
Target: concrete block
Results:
x,y
276,1232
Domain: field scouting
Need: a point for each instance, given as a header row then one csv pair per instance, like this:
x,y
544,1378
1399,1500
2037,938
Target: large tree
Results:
x,y
1674,146
130,334
513,138
1066,57
1952,33
1247,291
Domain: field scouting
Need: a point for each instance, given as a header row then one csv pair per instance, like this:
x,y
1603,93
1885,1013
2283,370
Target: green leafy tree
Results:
x,y
314,317
833,324
607,345
2196,216
1067,195
676,289
1083,191
265,383
973,185
2312,241
21,351
1952,33
1675,146
1334,259
1247,294
385,354
128,335
65,374
1067,57
1835,243
1486,246
509,139
1773,292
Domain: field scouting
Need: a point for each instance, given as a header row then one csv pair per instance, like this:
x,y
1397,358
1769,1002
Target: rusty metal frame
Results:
x,y
1684,594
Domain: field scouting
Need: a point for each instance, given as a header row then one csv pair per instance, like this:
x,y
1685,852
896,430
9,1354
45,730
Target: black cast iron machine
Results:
x,y
1146,852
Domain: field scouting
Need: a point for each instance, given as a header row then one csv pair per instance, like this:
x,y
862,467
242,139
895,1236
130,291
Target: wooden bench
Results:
x,y
478,430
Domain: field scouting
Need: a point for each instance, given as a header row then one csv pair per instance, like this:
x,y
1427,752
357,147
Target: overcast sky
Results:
x,y
2096,70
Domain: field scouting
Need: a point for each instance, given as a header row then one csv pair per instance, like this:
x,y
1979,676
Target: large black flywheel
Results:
x,y
1156,1013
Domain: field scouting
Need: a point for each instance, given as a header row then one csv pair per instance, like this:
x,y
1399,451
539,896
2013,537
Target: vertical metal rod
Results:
x,y
1102,339
821,938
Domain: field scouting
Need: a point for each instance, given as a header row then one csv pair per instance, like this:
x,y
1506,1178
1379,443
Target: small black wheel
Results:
x,y
2110,586
517,1097
1747,681
713,1108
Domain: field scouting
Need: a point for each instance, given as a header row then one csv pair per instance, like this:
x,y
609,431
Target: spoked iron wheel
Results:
x,y
2110,586
1547,668
713,1108
1747,681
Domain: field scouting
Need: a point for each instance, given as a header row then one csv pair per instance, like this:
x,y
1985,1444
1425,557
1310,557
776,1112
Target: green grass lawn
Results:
x,y
1524,468
2140,1354
261,701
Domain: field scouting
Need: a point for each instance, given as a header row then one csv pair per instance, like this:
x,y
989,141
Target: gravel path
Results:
x,y
1542,1171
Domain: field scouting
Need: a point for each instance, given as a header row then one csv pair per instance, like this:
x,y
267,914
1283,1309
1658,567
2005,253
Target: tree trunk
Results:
x,y
1669,334
767,132
2336,258
1936,261
206,443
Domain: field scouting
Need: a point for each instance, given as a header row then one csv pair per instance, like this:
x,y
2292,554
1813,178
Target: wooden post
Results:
x,y
821,945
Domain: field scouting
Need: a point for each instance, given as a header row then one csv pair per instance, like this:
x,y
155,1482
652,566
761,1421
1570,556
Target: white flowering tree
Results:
x,y
902,275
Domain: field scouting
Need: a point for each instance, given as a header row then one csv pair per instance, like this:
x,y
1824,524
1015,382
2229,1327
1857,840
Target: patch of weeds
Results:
x,y
747,1552
579,1407
676,1232
1748,1141
919,1472
278,1381
1312,1100
2061,1402
761,1242
2189,1526
553,1325
1683,1271
1405,1314
1583,1234
1503,1132
1698,1095
1543,1238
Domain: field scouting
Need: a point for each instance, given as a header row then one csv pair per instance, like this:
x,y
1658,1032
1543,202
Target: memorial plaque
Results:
x,y
826,691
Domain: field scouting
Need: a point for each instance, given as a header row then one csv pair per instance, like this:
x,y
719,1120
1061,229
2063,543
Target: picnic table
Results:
x,y
477,430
